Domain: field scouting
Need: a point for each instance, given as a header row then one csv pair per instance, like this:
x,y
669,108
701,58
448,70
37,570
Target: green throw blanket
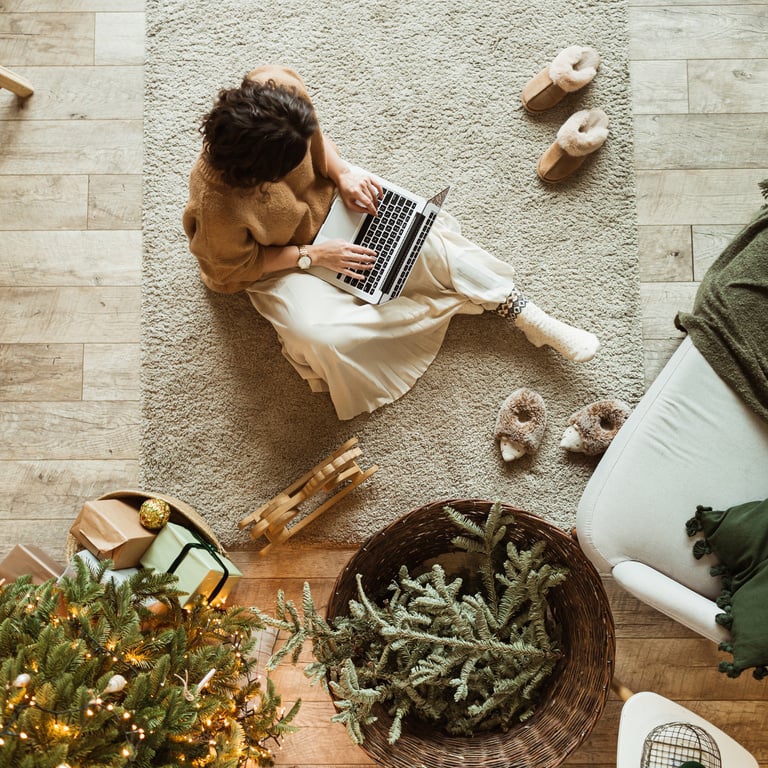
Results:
x,y
738,536
729,321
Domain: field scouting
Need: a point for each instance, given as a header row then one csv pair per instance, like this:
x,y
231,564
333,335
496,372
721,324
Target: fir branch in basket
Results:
x,y
432,649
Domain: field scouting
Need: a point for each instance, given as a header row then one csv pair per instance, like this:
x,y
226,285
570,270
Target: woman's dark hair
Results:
x,y
257,133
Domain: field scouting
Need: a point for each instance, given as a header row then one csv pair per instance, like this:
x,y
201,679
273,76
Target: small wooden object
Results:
x,y
16,83
338,471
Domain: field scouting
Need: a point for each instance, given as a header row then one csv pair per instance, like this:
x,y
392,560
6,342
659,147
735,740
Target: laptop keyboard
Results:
x,y
381,233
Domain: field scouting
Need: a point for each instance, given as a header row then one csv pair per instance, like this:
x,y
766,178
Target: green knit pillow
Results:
x,y
739,538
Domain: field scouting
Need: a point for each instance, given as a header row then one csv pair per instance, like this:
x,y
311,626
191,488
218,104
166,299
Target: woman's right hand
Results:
x,y
340,256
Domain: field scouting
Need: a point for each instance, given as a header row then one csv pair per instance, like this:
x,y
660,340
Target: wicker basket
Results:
x,y
181,513
574,696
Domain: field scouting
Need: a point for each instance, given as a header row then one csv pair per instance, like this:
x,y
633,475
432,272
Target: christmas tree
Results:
x,y
467,653
103,675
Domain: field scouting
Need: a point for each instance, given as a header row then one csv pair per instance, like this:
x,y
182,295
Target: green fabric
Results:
x,y
729,321
739,538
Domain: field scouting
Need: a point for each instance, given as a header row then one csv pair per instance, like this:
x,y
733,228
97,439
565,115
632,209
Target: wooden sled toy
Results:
x,y
338,471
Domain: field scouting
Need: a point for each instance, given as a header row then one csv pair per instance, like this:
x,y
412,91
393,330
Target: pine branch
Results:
x,y
431,649
486,538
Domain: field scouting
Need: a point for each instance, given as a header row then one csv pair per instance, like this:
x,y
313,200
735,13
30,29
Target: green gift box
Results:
x,y
200,568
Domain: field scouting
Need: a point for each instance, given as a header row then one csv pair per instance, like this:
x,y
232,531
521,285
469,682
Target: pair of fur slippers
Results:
x,y
585,131
522,419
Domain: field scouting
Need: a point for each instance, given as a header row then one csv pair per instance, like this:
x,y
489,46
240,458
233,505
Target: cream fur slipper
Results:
x,y
569,71
520,423
580,135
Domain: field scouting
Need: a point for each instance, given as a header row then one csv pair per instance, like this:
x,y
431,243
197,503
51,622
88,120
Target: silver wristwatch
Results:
x,y
304,260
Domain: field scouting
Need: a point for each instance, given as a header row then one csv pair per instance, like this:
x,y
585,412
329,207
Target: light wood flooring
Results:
x,y
70,252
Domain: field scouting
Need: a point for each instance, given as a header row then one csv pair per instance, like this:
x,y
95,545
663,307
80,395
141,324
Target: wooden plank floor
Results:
x,y
70,254
652,653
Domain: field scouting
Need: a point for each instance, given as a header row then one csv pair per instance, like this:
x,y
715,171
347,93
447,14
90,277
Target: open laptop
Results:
x,y
396,233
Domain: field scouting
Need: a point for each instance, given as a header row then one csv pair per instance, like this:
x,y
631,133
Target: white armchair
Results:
x,y
689,441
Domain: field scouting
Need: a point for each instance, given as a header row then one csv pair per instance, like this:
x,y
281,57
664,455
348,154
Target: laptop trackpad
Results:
x,y
341,223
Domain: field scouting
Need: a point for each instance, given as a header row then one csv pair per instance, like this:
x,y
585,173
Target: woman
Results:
x,y
259,192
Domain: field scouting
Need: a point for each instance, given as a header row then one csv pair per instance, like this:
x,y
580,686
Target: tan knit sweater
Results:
x,y
228,227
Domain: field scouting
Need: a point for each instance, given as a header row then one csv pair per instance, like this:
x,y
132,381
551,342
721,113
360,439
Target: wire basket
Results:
x,y
573,697
674,745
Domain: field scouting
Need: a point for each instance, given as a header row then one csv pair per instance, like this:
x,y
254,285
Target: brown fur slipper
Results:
x,y
569,71
591,429
520,423
580,135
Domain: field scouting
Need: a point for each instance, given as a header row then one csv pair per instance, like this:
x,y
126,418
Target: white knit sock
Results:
x,y
540,328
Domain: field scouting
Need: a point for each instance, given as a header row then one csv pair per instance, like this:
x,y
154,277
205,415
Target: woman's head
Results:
x,y
258,132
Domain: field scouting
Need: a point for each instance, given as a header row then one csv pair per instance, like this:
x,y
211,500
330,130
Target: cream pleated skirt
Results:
x,y
366,355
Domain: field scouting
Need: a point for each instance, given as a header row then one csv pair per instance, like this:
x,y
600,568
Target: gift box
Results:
x,y
265,642
110,529
200,568
116,577
26,560
93,562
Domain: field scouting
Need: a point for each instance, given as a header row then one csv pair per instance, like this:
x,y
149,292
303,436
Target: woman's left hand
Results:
x,y
360,191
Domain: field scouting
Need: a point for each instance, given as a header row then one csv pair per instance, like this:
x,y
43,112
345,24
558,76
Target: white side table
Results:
x,y
643,711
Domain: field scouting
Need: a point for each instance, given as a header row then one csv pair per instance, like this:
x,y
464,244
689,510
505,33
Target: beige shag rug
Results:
x,y
426,93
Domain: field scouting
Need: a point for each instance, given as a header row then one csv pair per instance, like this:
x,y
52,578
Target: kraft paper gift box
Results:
x,y
27,560
200,568
110,529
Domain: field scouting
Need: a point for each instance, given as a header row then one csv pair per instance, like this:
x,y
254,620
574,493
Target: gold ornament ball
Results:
x,y
154,514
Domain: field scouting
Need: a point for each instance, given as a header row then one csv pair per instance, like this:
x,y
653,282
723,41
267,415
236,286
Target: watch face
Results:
x,y
305,262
